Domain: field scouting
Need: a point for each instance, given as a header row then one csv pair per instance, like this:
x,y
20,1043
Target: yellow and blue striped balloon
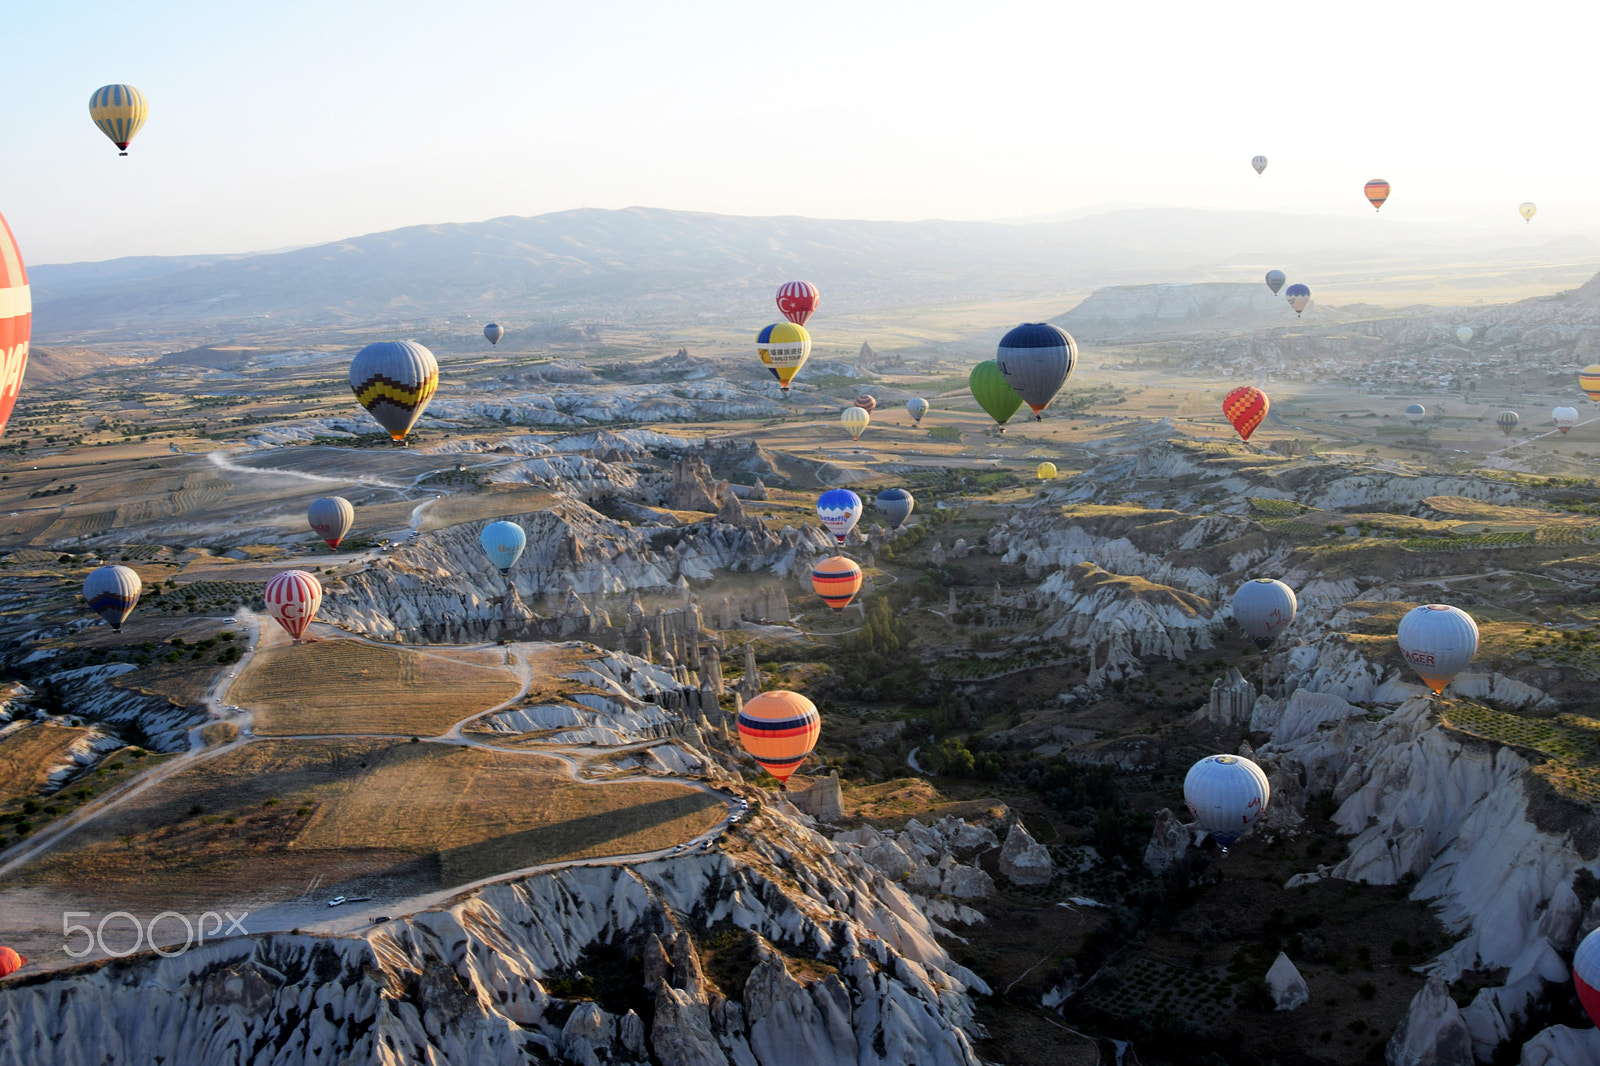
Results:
x,y
119,111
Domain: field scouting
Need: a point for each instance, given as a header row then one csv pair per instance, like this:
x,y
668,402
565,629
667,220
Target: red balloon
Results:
x,y
293,597
10,962
16,322
1586,975
1377,191
1245,407
797,299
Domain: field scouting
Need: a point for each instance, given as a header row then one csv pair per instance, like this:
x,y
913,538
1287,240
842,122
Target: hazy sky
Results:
x,y
292,123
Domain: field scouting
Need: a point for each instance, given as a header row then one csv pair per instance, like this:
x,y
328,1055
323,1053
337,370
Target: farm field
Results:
x,y
347,686
28,752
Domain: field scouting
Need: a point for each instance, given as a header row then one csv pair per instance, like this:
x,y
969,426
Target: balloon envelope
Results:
x,y
119,111
1415,412
1047,471
493,332
867,402
394,380
331,518
16,322
784,348
779,728
503,543
293,597
836,580
918,407
993,393
1463,334
113,593
1377,191
797,299
1507,421
1275,280
10,962
1527,210
855,421
896,505
840,510
1586,974
1438,641
1245,407
1565,418
1589,381
1264,608
1299,296
1260,163
1036,359
1226,793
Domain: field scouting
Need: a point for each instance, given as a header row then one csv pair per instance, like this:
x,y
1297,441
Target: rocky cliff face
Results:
x,y
1122,619
787,949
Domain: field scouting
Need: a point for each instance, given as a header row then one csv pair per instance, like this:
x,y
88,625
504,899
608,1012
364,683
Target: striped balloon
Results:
x,y
119,111
113,593
1588,381
867,402
1260,163
394,380
1377,191
855,421
779,728
293,597
797,299
837,581
1507,421
16,322
1245,407
1586,974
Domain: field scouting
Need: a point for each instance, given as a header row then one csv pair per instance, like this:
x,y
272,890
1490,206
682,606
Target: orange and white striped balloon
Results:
x,y
1377,191
780,728
836,580
293,598
16,322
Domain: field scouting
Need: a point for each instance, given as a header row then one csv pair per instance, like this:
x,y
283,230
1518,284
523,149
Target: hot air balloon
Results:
x,y
797,299
293,597
1299,296
331,518
1565,418
918,407
503,543
394,380
1589,381
1047,471
1275,280
1507,421
1463,334
896,505
867,402
1438,641
16,322
1264,608
1415,412
1245,407
784,348
779,728
1527,210
855,421
840,510
836,580
119,111
1226,793
1036,359
1260,163
1377,191
1585,974
112,592
993,393
10,962
493,332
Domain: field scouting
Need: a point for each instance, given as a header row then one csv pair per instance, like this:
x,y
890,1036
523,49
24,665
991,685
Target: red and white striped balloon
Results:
x,y
1586,974
16,322
293,598
797,299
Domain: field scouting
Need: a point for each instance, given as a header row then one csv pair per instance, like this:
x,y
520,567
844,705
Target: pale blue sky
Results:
x,y
291,123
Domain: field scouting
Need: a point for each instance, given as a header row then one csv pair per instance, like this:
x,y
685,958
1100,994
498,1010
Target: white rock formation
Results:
x,y
1432,1033
1288,988
1023,860
1169,842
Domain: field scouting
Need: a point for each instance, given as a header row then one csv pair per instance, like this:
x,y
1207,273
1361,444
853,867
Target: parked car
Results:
x,y
336,901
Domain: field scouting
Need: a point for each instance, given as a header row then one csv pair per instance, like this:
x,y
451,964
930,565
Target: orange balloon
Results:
x,y
836,580
1245,407
10,962
780,728
1377,191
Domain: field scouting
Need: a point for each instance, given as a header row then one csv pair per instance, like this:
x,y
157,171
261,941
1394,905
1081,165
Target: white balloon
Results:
x,y
1264,608
1438,641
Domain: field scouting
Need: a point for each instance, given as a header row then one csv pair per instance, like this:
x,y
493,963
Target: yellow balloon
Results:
x,y
1047,471
1528,210
119,111
783,348
855,421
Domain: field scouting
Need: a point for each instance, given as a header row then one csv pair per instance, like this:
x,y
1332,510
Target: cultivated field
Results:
x,y
347,686
29,752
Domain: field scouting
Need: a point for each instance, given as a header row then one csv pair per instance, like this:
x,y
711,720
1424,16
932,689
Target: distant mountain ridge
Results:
x,y
654,263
